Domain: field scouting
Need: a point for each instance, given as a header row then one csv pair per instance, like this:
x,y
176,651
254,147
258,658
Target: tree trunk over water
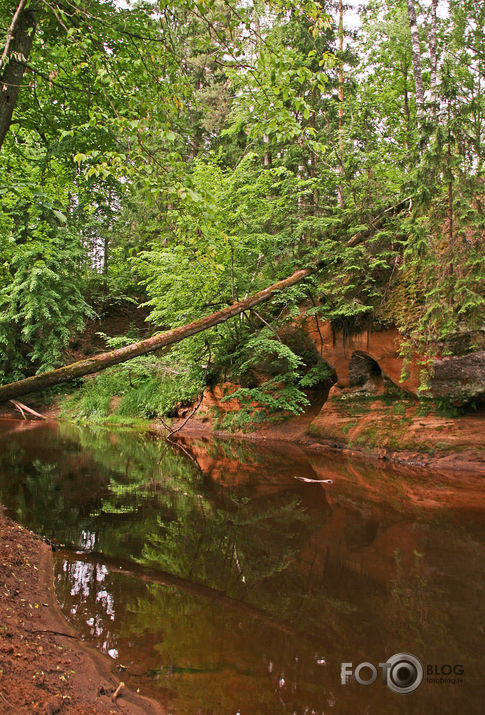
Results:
x,y
113,357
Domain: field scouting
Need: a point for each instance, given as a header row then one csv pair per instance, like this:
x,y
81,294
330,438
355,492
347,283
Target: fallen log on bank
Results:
x,y
160,340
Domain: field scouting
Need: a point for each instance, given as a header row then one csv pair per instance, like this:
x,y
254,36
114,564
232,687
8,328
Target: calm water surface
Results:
x,y
217,582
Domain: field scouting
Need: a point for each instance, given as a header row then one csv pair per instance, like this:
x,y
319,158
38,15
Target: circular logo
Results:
x,y
404,673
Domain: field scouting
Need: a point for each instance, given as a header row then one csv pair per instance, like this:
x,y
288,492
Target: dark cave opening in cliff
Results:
x,y
363,369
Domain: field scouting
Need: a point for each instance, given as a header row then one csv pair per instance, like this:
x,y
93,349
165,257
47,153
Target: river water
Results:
x,y
219,579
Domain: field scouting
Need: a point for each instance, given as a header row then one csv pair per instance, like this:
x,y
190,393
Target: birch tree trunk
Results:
x,y
433,56
416,54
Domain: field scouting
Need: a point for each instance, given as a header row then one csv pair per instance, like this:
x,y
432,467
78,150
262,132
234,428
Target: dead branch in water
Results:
x,y
23,408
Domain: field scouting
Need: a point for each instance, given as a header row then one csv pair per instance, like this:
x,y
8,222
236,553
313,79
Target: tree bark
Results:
x,y
433,56
114,357
416,54
340,194
15,53
407,114
11,32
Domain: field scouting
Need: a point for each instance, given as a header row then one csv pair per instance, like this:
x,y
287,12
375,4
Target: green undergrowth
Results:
x,y
385,432
125,394
274,379
245,420
276,375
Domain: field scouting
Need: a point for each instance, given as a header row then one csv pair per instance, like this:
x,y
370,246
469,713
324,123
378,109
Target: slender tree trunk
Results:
x,y
340,195
313,158
267,153
451,267
113,357
407,113
15,53
416,53
105,261
433,56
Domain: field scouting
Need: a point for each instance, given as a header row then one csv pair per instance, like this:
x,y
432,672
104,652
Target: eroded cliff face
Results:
x,y
371,358
390,426
369,408
459,376
212,405
362,356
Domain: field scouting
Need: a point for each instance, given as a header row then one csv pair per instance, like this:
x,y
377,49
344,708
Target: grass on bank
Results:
x,y
124,394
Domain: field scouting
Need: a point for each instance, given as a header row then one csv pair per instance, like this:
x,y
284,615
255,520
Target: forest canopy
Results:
x,y
182,156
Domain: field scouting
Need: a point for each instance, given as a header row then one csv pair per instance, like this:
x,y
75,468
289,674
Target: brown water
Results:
x,y
218,583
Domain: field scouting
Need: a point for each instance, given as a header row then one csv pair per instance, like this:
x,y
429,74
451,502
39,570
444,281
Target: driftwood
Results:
x,y
117,691
23,409
170,337
189,416
55,633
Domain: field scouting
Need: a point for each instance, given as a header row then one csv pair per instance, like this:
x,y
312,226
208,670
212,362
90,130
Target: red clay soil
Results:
x,y
44,667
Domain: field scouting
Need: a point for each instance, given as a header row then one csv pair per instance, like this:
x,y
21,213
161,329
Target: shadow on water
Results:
x,y
222,584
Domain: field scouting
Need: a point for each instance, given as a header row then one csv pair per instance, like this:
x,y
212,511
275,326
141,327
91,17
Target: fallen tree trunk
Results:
x,y
113,357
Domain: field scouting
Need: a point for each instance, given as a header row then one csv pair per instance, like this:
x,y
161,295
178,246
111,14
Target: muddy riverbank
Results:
x,y
428,442
44,666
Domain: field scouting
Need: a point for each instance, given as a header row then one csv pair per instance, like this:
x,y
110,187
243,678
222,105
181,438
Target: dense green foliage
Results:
x,y
187,155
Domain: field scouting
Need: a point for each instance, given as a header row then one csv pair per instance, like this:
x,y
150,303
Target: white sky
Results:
x,y
352,19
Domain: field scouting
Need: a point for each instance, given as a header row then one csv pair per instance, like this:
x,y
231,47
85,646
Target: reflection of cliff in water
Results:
x,y
369,511
406,550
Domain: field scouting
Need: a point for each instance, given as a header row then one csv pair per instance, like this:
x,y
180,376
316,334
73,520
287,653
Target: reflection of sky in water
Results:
x,y
232,645
80,576
86,581
87,540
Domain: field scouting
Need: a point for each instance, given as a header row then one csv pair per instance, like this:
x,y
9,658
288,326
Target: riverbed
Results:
x,y
224,577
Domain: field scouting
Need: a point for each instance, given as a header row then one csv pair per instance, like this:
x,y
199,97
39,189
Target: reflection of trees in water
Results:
x,y
41,501
251,551
203,650
222,538
435,608
437,600
111,486
233,549
133,459
219,660
408,611
31,490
